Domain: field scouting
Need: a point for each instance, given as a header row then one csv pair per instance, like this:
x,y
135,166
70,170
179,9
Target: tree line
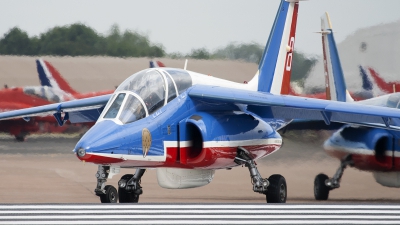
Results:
x,y
81,40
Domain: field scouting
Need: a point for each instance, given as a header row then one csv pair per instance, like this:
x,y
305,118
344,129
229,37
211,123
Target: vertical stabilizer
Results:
x,y
334,79
276,63
49,76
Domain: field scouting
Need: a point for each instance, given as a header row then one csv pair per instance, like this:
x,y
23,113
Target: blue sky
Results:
x,y
181,25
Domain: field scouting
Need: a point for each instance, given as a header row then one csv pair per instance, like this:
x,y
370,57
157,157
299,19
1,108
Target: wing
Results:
x,y
293,107
82,110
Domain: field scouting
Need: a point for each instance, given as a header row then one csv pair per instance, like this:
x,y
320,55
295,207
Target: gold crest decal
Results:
x,y
146,141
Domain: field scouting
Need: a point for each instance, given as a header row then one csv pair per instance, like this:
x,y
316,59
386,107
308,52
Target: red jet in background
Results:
x,y
54,89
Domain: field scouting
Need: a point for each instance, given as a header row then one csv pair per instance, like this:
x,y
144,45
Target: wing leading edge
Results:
x,y
82,110
292,107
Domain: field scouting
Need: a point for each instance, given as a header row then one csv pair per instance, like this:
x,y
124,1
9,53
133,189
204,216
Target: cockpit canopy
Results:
x,y
145,92
389,100
45,92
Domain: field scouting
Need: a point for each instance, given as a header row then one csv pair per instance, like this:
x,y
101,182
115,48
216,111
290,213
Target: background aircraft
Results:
x,y
187,125
54,89
365,148
20,98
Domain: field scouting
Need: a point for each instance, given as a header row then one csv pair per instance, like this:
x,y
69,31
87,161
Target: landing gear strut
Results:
x,y
129,188
107,193
274,187
323,184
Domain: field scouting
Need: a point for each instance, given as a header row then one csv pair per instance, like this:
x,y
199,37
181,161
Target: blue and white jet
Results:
x,y
188,125
365,148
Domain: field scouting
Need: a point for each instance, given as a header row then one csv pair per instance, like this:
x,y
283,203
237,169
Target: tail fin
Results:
x,y
49,76
155,64
367,84
276,63
388,87
334,79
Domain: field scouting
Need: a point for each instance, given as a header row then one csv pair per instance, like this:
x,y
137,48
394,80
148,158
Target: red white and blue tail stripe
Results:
x,y
49,76
276,63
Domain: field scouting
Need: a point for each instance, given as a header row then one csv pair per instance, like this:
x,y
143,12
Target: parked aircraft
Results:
x,y
19,98
54,89
365,148
187,125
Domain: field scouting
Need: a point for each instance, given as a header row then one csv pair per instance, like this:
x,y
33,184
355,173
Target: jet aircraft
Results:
x,y
187,125
365,148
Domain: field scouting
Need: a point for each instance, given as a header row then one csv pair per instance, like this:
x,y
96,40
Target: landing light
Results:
x,y
81,152
122,183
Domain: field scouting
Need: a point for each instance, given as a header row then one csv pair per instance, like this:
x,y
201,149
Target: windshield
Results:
x,y
114,108
133,110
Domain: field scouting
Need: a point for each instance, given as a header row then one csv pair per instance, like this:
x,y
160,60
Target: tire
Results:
x,y
277,189
111,195
127,197
321,191
124,196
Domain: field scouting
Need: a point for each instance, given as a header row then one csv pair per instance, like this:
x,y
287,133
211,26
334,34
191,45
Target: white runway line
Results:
x,y
199,214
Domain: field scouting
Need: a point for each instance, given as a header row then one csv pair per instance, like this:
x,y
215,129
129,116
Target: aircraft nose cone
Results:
x,y
103,137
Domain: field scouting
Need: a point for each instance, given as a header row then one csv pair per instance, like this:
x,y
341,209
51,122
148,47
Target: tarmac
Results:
x,y
44,170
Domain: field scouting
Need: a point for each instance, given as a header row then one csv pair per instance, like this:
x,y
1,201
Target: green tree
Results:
x,y
73,40
201,53
17,42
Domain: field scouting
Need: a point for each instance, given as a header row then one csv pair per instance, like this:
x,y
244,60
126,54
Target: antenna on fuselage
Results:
x,y
185,64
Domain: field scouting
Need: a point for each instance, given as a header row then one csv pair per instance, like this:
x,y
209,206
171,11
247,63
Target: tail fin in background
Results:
x,y
155,64
49,76
334,79
275,67
388,87
367,84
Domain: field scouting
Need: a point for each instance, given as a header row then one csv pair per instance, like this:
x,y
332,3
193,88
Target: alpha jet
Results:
x,y
188,125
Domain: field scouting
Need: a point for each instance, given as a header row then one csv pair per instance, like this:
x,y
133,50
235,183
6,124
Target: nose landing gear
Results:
x,y
129,188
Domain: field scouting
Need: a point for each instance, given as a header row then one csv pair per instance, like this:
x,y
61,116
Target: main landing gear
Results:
x,y
323,184
129,188
274,188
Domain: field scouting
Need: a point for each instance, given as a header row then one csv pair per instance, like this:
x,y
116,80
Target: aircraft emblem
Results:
x,y
146,141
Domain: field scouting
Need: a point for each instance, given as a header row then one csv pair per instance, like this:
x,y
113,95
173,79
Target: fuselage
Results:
x,y
151,122
371,149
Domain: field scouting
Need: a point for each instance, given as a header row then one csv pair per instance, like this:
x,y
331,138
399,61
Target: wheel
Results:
x,y
20,138
277,189
111,195
321,191
125,196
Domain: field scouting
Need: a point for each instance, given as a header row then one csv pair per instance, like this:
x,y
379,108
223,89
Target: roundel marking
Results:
x,y
146,141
